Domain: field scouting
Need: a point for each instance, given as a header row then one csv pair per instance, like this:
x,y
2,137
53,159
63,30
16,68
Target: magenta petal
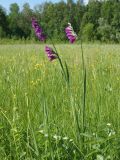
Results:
x,y
72,40
38,30
68,30
50,53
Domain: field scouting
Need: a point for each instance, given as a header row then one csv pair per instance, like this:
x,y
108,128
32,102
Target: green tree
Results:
x,y
13,18
25,20
99,20
88,32
104,30
92,14
3,23
116,21
107,11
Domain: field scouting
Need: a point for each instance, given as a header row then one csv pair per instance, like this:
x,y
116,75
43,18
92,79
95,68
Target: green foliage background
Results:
x,y
99,20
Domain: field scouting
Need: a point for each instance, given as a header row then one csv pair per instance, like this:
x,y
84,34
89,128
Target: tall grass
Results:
x,y
40,120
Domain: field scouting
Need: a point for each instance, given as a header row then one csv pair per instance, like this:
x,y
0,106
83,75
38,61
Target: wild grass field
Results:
x,y
41,119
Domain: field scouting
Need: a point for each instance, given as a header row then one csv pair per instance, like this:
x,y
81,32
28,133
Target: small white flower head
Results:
x,y
109,124
112,132
69,24
94,134
57,137
65,138
71,140
46,135
100,157
41,131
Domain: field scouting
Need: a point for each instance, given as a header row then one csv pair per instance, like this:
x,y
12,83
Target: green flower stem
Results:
x,y
65,73
84,89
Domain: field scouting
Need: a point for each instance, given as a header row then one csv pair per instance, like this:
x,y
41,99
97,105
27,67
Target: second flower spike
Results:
x,y
38,30
70,33
50,53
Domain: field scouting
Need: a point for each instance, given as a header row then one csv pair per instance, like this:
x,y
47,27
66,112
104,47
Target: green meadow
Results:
x,y
41,117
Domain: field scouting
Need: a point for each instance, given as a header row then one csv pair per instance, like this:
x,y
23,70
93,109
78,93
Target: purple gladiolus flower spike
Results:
x,y
70,33
38,30
50,53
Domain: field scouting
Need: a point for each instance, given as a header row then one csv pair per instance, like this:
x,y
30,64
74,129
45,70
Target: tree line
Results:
x,y
97,21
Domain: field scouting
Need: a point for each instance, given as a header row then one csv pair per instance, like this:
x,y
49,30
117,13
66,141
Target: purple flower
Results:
x,y
70,33
38,30
50,53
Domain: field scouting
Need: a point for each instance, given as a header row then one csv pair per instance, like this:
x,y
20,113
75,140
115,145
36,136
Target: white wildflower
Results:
x,y
71,140
46,135
111,133
57,137
41,131
65,138
108,124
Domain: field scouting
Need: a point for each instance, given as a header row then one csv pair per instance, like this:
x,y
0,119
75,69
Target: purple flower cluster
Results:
x,y
38,30
70,33
50,53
